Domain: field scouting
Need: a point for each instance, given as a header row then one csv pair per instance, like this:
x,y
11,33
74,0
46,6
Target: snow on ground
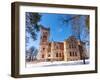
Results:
x,y
56,63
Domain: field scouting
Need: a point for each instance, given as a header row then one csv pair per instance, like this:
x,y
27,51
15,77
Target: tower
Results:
x,y
65,50
52,50
44,36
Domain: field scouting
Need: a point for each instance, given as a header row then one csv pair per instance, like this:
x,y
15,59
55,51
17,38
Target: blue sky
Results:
x,y
58,31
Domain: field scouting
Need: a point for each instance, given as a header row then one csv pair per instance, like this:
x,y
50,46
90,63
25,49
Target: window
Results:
x,y
49,44
42,56
70,54
57,47
43,49
59,54
74,46
45,37
75,54
49,55
44,32
56,54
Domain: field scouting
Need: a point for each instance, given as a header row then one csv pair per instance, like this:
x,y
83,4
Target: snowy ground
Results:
x,y
56,63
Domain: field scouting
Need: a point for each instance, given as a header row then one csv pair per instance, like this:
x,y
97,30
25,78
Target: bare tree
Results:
x,y
79,27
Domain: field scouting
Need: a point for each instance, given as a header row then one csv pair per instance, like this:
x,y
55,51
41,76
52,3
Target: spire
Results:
x,y
42,27
52,40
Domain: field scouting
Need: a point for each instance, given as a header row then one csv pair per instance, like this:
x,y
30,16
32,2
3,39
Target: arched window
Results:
x,y
56,54
75,54
70,54
45,37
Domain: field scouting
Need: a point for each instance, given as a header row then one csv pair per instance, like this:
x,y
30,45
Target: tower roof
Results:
x,y
42,27
52,40
71,37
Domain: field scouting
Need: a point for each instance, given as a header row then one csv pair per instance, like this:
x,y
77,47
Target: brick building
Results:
x,y
70,49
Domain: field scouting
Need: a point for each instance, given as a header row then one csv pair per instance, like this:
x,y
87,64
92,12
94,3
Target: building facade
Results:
x,y
69,50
